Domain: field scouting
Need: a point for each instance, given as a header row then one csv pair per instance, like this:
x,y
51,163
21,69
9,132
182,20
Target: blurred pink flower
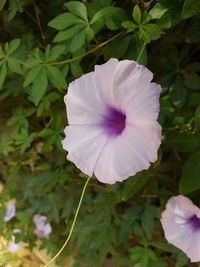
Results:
x,y
181,224
43,228
112,115
10,211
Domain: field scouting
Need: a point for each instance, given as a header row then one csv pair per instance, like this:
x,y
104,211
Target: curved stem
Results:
x,y
73,224
89,52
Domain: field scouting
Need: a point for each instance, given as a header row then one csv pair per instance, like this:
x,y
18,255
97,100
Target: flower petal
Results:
x,y
104,74
77,135
178,230
146,143
119,159
84,105
145,105
129,78
89,95
86,153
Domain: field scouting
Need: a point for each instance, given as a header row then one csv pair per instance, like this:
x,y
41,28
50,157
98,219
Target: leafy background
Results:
x,y
44,45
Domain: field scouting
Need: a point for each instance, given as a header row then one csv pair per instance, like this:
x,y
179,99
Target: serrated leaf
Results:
x,y
78,9
190,8
14,65
39,86
137,15
67,34
190,181
56,76
64,21
3,72
31,75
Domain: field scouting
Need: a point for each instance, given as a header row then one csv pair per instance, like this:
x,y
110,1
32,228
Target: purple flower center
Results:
x,y
113,122
194,222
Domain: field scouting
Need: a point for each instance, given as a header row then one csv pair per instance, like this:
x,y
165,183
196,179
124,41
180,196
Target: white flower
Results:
x,y
112,115
181,224
43,228
10,211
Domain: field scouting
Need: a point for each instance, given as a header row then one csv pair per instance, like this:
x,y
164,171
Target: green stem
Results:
x,y
89,52
73,224
142,50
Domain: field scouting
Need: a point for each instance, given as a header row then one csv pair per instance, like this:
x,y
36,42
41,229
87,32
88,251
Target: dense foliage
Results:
x,y
44,45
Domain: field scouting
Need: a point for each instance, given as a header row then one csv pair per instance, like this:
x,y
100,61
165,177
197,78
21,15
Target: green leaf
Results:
x,y
77,41
178,93
118,47
78,9
136,253
157,11
105,12
67,34
190,175
14,65
76,69
129,25
137,14
31,75
192,80
2,3
39,86
89,33
190,8
56,76
197,118
13,45
3,72
148,218
184,142
2,55
134,184
56,52
64,21
154,30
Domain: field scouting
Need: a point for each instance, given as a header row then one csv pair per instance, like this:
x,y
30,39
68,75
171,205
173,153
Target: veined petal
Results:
x,y
129,78
145,105
79,134
144,144
119,159
104,75
86,154
84,105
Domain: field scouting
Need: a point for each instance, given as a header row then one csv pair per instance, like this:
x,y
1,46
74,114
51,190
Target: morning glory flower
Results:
x,y
10,211
43,228
181,224
112,113
13,246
